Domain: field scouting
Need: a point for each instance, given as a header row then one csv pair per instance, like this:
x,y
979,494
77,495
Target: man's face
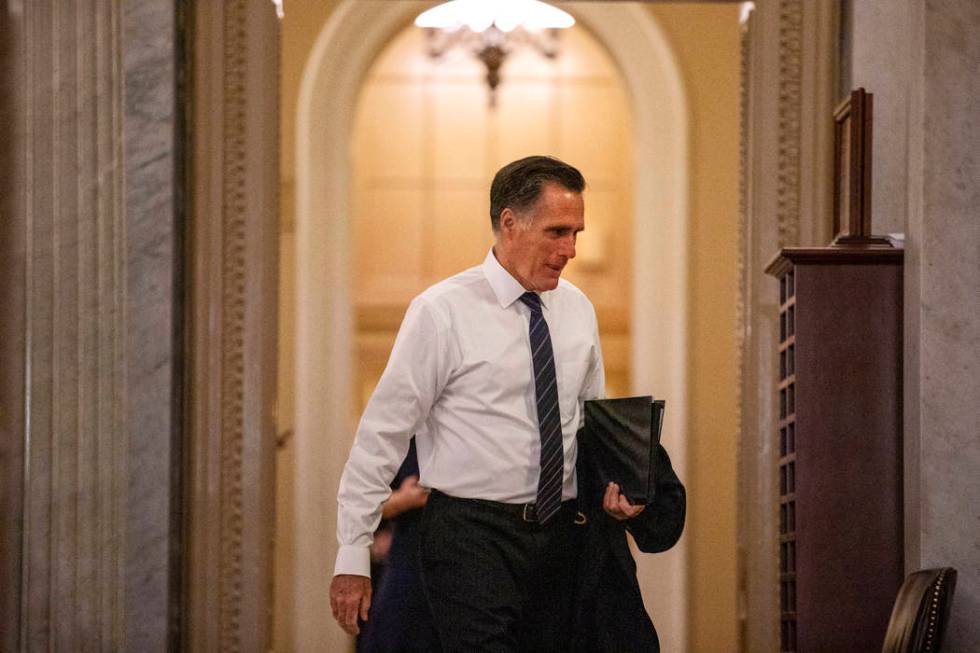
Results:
x,y
536,245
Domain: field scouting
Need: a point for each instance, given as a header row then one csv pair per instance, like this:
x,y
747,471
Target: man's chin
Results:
x,y
548,284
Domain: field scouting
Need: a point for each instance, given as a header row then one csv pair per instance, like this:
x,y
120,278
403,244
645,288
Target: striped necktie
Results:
x,y
549,417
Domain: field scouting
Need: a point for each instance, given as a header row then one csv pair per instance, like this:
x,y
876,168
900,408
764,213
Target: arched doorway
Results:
x,y
345,49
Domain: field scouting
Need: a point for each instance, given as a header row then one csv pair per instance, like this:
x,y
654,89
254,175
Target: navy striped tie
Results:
x,y
549,416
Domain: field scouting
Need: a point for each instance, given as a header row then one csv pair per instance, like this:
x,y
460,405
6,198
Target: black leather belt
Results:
x,y
525,512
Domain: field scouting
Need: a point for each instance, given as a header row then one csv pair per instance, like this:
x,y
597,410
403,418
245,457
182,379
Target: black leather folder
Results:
x,y
619,443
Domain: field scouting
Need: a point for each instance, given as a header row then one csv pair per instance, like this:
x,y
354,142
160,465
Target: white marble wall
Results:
x,y
880,60
151,151
942,394
921,59
89,207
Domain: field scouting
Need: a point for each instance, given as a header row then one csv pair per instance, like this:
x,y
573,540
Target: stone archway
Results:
x,y
347,45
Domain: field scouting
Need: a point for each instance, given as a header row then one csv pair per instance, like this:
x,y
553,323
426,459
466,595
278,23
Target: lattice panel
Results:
x,y
787,463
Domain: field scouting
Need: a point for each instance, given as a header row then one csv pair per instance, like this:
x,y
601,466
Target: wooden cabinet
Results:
x,y
840,445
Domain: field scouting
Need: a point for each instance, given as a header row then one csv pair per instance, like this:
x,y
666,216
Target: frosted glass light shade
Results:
x,y
506,15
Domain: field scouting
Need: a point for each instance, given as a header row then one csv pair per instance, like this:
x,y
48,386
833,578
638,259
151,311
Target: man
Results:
x,y
490,369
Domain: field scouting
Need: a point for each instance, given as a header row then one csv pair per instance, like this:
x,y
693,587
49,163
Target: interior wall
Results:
x,y
920,61
942,348
879,63
705,38
420,184
301,25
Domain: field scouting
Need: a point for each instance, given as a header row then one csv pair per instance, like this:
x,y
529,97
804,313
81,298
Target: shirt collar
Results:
x,y
507,289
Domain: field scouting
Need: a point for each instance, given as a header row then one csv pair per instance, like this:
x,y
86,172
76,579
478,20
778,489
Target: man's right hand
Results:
x,y
350,597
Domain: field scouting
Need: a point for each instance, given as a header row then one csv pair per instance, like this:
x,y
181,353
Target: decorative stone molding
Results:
x,y
233,215
741,322
745,51
790,80
231,383
788,52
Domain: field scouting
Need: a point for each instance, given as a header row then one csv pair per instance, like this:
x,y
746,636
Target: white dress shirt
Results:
x,y
460,377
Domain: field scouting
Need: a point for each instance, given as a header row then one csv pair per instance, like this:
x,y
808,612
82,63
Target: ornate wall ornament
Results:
x,y
790,97
741,325
233,209
787,49
233,247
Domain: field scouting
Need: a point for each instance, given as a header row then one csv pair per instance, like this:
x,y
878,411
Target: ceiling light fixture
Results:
x,y
492,29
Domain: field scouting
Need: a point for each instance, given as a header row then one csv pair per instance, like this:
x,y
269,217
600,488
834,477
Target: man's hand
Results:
x,y
617,506
350,597
409,496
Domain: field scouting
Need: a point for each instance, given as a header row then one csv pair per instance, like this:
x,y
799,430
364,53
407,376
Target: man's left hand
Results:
x,y
350,598
617,506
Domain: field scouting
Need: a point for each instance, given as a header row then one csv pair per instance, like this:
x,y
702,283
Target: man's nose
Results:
x,y
570,247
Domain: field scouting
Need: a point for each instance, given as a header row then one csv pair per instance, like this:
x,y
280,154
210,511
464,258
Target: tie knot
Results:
x,y
532,300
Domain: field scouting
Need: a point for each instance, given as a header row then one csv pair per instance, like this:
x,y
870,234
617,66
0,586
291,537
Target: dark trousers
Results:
x,y
494,581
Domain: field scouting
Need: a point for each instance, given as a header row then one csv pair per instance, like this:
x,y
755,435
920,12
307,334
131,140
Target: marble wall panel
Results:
x,y
151,148
13,299
89,208
880,64
943,332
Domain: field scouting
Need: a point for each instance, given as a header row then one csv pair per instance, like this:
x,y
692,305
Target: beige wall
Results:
x,y
420,183
706,42
301,26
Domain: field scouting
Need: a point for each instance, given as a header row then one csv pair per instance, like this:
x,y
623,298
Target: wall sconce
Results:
x,y
491,30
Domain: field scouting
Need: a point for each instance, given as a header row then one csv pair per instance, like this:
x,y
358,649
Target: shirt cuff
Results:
x,y
355,560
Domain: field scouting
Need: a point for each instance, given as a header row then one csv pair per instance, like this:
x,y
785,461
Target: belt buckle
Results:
x,y
530,508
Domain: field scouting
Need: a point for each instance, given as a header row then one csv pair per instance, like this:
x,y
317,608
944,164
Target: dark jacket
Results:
x,y
609,613
400,620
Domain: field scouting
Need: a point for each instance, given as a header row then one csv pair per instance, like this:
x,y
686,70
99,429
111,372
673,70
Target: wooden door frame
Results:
x,y
232,253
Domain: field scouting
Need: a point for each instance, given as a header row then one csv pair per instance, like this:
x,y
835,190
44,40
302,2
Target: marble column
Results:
x,y
942,350
90,376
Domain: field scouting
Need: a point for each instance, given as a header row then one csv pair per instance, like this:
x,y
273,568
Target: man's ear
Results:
x,y
508,221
